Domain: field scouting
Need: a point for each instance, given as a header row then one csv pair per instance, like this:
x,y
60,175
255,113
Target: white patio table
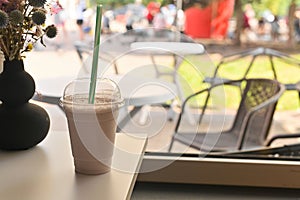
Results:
x,y
178,50
136,91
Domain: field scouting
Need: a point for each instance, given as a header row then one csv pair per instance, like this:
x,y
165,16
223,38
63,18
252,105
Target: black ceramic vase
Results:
x,y
22,124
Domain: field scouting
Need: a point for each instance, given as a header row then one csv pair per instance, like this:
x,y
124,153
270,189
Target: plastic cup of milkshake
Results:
x,y
92,127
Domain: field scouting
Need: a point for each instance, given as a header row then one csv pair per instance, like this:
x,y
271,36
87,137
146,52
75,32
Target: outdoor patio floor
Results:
x,y
158,128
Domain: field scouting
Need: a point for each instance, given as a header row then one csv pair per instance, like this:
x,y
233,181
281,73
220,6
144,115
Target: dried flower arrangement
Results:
x,y
22,25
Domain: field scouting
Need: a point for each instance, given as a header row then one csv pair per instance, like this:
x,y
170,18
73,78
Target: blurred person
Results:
x,y
80,8
198,20
169,12
275,28
261,29
159,25
152,9
106,22
220,23
89,17
134,15
129,20
248,18
159,21
297,25
261,26
246,24
179,21
59,20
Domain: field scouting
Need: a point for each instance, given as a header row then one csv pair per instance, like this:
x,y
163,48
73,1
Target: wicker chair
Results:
x,y
253,54
252,120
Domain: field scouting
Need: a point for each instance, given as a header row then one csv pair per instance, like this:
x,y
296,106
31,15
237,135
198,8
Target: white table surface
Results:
x,y
136,91
46,172
181,48
139,91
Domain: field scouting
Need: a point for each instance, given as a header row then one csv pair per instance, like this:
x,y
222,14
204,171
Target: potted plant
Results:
x,y
22,124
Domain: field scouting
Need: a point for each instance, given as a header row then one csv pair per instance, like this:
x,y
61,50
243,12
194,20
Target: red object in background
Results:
x,y
198,22
152,8
220,23
209,22
149,17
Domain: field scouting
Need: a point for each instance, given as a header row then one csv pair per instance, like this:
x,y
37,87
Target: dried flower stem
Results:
x,y
3,47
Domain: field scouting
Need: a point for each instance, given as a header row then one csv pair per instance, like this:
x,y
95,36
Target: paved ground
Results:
x,y
51,62
157,126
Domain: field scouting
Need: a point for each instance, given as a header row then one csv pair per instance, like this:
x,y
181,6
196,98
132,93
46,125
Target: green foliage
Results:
x,y
162,2
109,3
115,3
235,70
277,7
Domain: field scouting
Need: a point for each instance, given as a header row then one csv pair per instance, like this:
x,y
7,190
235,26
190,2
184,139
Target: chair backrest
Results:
x,y
83,48
255,94
85,53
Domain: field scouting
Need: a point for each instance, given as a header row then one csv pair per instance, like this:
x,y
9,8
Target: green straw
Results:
x,y
95,55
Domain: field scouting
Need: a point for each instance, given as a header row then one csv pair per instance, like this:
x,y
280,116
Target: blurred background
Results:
x,y
234,21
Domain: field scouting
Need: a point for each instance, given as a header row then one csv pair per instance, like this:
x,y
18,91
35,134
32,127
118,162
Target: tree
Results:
x,y
291,21
239,21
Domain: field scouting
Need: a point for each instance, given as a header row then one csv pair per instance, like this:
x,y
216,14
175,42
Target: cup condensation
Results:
x,y
92,127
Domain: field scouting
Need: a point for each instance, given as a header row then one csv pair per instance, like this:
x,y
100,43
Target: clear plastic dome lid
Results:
x,y
106,92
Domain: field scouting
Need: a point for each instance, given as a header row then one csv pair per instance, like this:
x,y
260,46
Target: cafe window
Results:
x,y
161,63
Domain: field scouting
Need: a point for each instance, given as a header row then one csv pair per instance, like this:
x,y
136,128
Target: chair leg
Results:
x,y
282,136
145,112
299,97
171,145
